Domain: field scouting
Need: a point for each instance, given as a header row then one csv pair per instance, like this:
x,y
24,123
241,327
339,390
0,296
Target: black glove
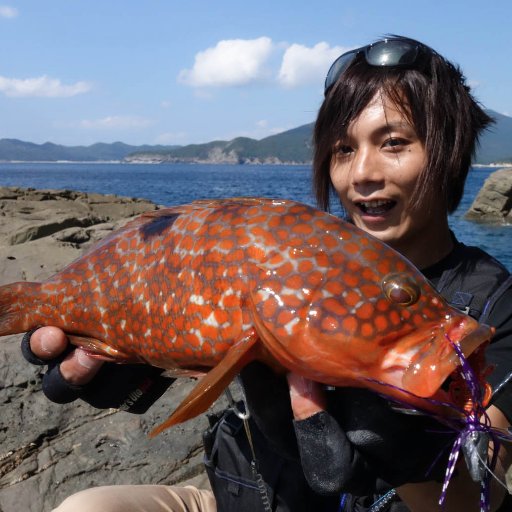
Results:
x,y
331,464
400,448
130,387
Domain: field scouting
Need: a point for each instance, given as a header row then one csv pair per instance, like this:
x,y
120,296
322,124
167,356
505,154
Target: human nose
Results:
x,y
366,167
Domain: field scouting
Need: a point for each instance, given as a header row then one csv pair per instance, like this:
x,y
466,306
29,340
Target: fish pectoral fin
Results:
x,y
101,350
213,383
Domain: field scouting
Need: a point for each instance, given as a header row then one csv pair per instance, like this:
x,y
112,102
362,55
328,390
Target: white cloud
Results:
x,y
302,65
42,86
231,62
116,122
8,12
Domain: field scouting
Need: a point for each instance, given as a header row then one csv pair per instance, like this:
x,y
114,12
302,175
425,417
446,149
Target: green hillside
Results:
x,y
291,146
14,149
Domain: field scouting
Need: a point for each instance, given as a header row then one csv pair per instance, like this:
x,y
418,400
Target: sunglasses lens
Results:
x,y
338,66
391,53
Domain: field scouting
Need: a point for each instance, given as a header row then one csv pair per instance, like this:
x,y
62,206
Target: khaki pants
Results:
x,y
139,498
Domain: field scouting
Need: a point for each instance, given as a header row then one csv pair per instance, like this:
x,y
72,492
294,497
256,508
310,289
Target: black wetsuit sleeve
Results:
x,y
499,354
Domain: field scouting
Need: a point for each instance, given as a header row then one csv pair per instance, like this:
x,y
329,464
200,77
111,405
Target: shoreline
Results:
x,y
196,162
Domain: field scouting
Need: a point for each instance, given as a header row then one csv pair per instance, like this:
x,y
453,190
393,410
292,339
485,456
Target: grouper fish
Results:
x,y
209,286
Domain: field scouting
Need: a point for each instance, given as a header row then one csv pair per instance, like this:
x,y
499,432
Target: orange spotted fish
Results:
x,y
215,284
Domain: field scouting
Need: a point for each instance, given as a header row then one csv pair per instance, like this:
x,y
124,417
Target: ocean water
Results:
x,y
172,184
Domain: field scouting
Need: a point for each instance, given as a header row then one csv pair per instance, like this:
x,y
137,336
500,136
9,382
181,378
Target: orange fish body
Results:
x,y
212,285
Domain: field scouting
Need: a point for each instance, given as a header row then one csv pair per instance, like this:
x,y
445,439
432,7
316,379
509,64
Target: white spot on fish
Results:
x,y
289,326
197,299
211,320
197,332
273,293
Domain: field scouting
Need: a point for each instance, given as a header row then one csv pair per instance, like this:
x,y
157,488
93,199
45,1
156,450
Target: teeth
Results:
x,y
374,204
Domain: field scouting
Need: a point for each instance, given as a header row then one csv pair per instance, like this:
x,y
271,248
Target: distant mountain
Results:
x,y
295,146
291,146
496,143
14,149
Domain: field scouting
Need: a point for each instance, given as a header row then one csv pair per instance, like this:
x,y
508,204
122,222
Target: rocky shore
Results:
x,y
49,451
493,203
214,157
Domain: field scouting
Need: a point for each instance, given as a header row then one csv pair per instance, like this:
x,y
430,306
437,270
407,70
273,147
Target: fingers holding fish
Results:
x,y
48,342
77,367
306,396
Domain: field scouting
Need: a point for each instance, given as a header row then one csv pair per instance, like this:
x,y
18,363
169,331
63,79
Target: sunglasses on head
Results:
x,y
392,52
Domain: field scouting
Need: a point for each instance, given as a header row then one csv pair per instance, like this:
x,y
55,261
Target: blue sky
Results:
x,y
76,72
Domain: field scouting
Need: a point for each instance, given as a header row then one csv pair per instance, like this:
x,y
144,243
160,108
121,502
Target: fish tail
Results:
x,y
16,302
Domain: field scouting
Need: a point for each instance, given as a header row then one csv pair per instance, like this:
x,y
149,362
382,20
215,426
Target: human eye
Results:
x,y
344,150
395,143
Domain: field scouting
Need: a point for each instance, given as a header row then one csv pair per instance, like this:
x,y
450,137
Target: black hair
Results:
x,y
433,96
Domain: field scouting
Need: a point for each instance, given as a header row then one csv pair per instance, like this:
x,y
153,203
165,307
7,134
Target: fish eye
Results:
x,y
401,289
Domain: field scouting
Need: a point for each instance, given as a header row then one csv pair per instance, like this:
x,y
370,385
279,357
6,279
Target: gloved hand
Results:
x,y
130,387
399,448
361,440
331,463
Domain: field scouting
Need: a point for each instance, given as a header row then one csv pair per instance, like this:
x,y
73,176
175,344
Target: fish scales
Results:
x,y
215,284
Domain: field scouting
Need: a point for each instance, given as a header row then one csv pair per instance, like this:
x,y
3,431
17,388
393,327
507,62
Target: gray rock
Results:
x,y
493,204
49,451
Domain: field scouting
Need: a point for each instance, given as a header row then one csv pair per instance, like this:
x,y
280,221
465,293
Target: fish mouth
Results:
x,y
436,360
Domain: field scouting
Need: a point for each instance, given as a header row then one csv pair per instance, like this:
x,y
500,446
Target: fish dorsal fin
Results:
x,y
213,383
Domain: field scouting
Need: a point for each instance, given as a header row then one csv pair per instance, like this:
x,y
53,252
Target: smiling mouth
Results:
x,y
378,207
